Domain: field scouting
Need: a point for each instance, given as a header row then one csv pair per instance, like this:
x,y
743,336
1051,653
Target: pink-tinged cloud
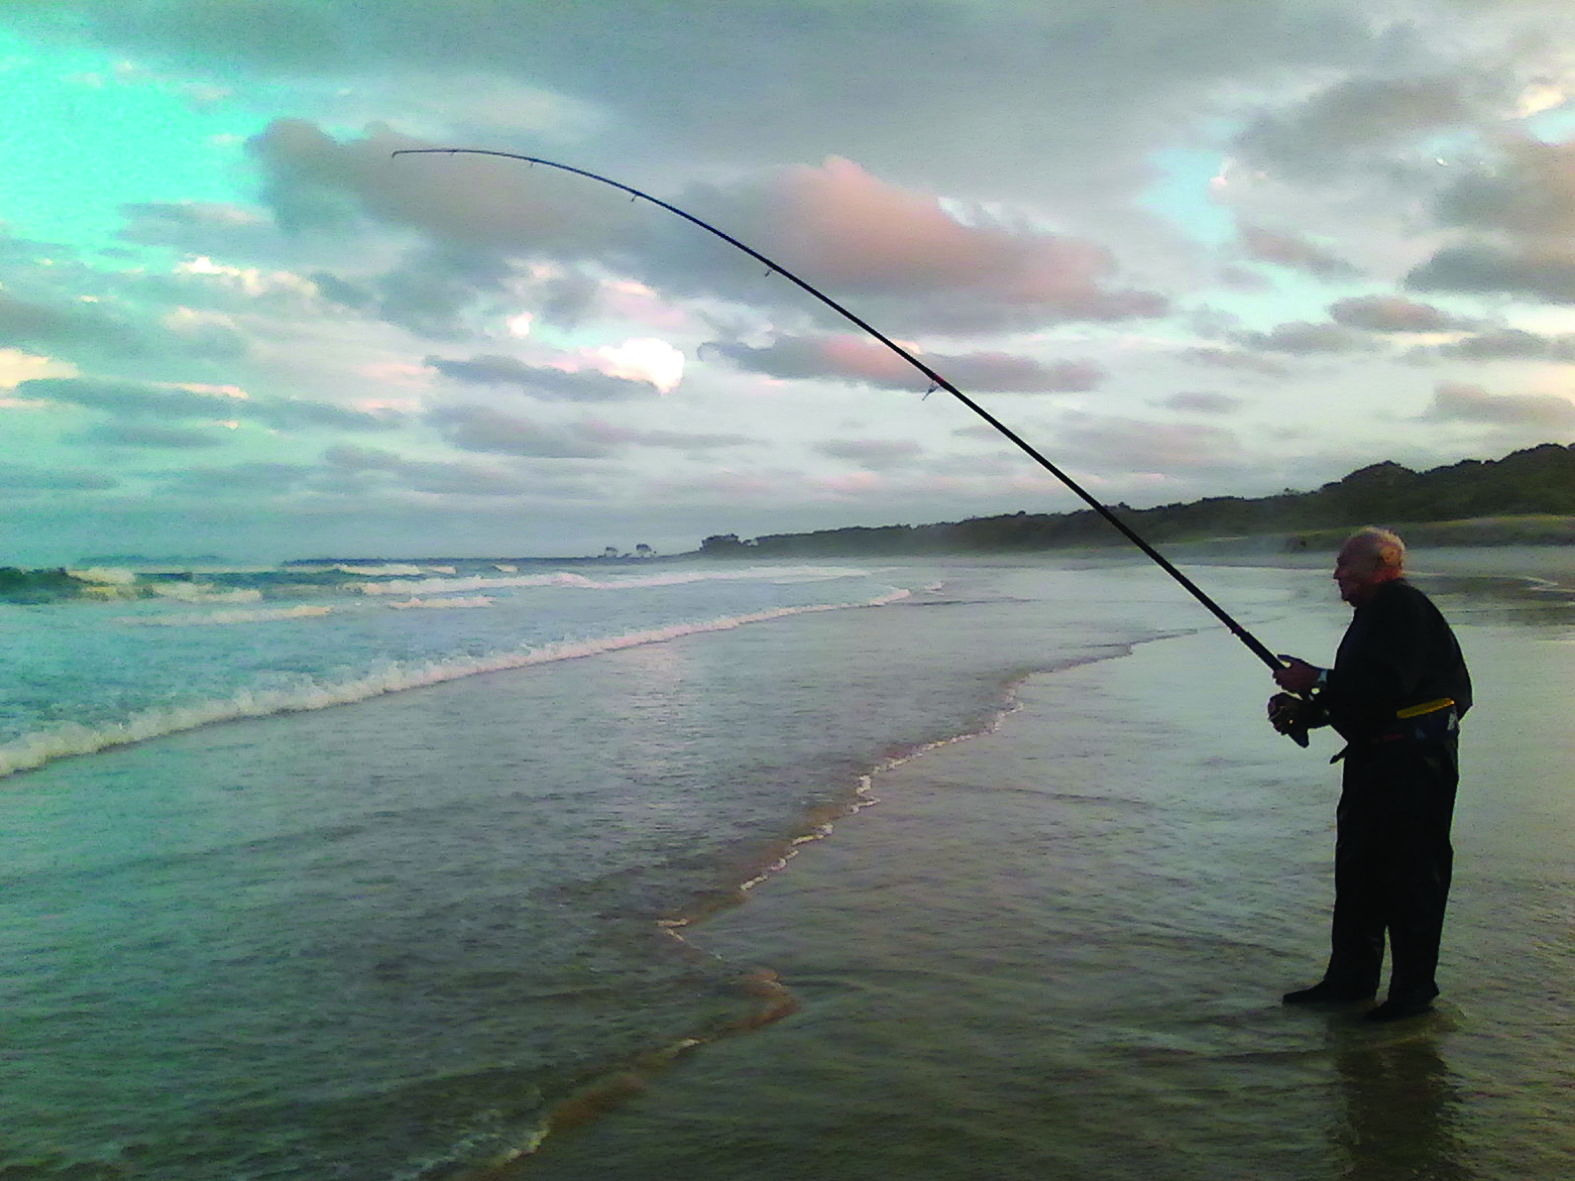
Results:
x,y
1393,313
838,227
1460,402
1285,249
853,235
861,360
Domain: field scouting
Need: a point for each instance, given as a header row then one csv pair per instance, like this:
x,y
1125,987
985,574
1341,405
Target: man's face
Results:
x,y
1356,572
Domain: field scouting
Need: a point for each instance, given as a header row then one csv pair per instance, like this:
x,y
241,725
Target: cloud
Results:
x,y
1460,402
858,360
1302,338
19,479
1351,117
1544,273
427,475
1295,253
1504,344
315,183
899,251
479,428
1218,358
837,226
1202,403
874,454
45,326
174,438
543,381
1106,442
1393,313
250,478
138,400
674,440
1529,192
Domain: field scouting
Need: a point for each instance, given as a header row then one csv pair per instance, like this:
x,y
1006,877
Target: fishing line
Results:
x,y
939,382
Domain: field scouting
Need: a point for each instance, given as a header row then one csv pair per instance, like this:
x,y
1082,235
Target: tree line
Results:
x,y
1536,481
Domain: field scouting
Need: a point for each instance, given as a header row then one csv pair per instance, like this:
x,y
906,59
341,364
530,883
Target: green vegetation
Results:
x,y
1535,487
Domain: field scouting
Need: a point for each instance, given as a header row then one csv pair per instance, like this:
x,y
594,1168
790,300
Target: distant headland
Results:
x,y
1526,498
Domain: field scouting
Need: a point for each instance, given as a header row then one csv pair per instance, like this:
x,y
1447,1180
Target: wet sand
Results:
x,y
1057,950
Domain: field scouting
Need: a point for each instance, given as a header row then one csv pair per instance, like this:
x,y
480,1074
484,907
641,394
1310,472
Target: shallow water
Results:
x,y
398,938
1056,951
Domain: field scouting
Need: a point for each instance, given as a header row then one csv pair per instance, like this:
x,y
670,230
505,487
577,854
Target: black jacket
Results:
x,y
1399,651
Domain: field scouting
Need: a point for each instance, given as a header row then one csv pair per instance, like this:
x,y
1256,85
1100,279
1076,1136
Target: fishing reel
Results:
x,y
1294,715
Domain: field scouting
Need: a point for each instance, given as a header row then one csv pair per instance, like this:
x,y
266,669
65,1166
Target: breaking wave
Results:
x,y
34,750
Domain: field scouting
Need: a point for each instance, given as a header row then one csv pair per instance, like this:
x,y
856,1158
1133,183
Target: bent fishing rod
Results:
x,y
1252,642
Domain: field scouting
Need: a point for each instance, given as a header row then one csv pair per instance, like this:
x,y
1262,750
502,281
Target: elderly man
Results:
x,y
1396,692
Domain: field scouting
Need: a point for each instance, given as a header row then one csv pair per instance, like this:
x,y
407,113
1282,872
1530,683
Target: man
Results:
x,y
1397,689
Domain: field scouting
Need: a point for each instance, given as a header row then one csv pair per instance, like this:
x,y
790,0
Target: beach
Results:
x,y
1036,960
929,869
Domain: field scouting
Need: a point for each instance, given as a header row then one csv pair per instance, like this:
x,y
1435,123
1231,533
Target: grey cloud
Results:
x,y
314,182
762,81
854,359
1109,442
1511,344
1458,402
586,385
1392,313
15,478
1294,252
1218,358
148,435
1352,116
130,398
197,227
479,428
1531,193
428,476
875,454
239,477
1302,338
135,400
1202,403
1546,274
674,440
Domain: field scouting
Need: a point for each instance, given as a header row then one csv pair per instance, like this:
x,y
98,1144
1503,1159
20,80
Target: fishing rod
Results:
x,y
1252,642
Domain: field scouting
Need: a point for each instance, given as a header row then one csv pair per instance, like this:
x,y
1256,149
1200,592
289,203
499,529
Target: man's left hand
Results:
x,y
1297,676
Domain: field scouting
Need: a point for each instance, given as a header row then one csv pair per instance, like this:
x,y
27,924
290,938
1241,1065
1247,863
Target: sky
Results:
x,y
1185,248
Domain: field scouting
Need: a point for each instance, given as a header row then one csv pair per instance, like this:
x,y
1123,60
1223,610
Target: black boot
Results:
x,y
1329,992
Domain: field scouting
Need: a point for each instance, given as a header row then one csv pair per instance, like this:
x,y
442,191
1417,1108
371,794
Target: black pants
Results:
x,y
1392,864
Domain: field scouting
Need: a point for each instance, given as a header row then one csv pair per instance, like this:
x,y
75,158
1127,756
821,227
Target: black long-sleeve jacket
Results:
x,y
1398,652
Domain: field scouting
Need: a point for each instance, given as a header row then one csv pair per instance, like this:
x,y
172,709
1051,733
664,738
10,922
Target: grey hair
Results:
x,y
1384,544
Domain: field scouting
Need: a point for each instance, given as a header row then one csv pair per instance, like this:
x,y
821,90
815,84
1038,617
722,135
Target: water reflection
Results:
x,y
1402,1112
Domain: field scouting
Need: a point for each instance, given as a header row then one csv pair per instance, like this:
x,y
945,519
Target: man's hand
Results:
x,y
1297,676
1286,714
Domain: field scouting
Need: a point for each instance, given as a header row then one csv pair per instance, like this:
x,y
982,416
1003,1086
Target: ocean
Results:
x,y
922,869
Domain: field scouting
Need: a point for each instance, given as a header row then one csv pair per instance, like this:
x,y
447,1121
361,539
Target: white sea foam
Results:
x,y
390,570
204,592
104,575
198,619
34,750
568,578
439,604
